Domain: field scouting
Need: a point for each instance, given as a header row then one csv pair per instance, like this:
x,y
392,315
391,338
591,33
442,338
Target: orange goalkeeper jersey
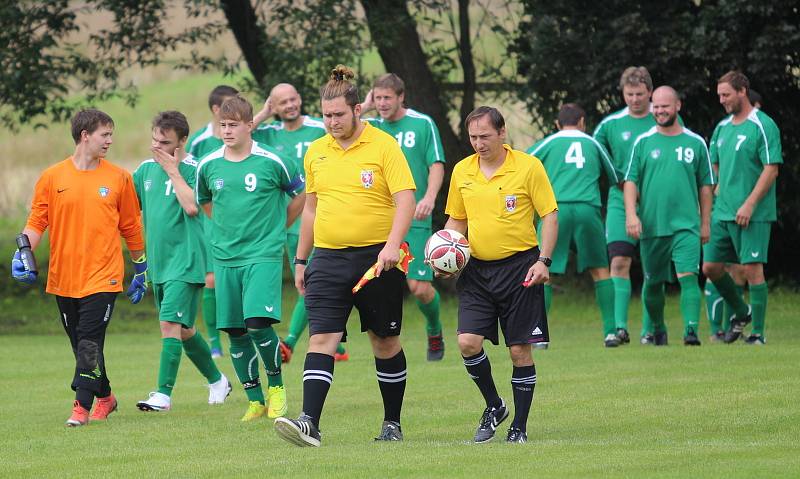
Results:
x,y
86,212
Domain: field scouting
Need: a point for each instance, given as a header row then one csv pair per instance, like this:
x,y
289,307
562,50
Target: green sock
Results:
x,y
690,304
727,289
245,363
654,302
727,310
198,353
168,366
647,323
758,301
298,323
210,317
548,296
604,294
267,344
431,313
622,296
714,308
340,348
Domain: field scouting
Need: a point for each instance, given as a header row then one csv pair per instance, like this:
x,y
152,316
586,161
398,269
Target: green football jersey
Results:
x,y
741,151
291,144
248,216
669,170
419,139
175,250
573,161
203,142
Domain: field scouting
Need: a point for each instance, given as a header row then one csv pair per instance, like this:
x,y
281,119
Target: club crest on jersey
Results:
x,y
367,178
655,153
103,191
626,135
218,184
511,203
147,184
719,142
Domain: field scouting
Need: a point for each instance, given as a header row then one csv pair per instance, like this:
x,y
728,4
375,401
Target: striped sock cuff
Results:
x,y
526,380
391,377
474,360
317,374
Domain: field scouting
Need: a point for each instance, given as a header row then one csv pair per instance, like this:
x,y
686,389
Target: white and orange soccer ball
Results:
x,y
447,251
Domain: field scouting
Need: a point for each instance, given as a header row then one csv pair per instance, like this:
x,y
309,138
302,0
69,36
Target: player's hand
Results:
x,y
539,273
266,110
424,208
705,233
300,278
140,281
437,273
633,226
387,259
744,214
19,272
169,163
369,103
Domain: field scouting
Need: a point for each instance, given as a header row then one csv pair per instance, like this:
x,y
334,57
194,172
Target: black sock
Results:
x,y
392,382
480,370
85,398
317,379
523,382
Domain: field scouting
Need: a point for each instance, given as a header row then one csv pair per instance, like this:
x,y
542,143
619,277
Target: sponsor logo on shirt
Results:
x,y
655,153
511,203
147,184
626,135
269,308
218,184
367,178
719,142
104,191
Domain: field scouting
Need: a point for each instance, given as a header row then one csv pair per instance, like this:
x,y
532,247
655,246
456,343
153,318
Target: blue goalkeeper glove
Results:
x,y
20,272
139,283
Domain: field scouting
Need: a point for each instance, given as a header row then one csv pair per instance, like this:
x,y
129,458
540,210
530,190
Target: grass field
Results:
x,y
713,411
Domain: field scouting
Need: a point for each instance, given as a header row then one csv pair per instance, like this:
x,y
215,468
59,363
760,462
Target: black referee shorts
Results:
x,y
491,291
330,277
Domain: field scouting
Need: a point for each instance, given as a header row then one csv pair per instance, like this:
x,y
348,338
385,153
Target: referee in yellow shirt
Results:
x,y
494,194
359,205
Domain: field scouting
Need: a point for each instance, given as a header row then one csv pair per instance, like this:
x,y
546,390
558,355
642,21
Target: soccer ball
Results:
x,y
447,251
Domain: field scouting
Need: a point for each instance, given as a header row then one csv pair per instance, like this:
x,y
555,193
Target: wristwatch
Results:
x,y
297,260
544,259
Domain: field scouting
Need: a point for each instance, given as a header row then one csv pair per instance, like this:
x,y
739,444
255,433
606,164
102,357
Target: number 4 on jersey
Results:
x,y
575,155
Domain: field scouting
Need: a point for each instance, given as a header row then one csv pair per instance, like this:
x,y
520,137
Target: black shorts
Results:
x,y
621,248
330,277
491,291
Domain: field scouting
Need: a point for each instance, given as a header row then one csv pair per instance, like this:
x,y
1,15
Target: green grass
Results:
x,y
713,411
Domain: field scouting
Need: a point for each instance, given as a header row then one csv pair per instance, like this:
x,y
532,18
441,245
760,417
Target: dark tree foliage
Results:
x,y
575,51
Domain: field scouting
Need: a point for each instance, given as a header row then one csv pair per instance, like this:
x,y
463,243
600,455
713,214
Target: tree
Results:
x,y
575,51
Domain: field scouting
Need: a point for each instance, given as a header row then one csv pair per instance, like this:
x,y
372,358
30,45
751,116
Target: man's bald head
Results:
x,y
285,101
666,105
666,93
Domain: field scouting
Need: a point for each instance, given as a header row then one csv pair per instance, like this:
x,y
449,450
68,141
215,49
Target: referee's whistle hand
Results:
x,y
300,279
387,259
539,273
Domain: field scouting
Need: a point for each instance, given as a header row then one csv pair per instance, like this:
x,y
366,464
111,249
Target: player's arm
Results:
x,y
264,113
765,181
171,166
632,223
369,103
306,240
294,208
435,178
404,211
457,225
706,200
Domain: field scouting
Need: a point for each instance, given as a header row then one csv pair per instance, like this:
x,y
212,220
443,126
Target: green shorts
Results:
x,y
682,248
417,269
615,219
730,243
252,291
580,226
176,301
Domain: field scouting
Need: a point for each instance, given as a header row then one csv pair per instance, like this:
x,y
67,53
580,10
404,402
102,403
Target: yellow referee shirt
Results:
x,y
354,188
499,210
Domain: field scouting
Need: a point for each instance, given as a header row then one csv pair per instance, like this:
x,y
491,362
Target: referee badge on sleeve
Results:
x,y
511,203
367,178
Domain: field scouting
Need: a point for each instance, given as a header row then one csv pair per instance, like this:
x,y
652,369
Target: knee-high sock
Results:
x,y
523,382
317,380
727,289
298,323
647,322
758,301
245,363
431,312
480,370
690,304
171,350
267,342
199,354
714,308
210,317
622,296
727,310
654,302
391,374
548,297
604,294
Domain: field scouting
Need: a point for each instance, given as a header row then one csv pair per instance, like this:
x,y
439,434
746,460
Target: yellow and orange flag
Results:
x,y
402,265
